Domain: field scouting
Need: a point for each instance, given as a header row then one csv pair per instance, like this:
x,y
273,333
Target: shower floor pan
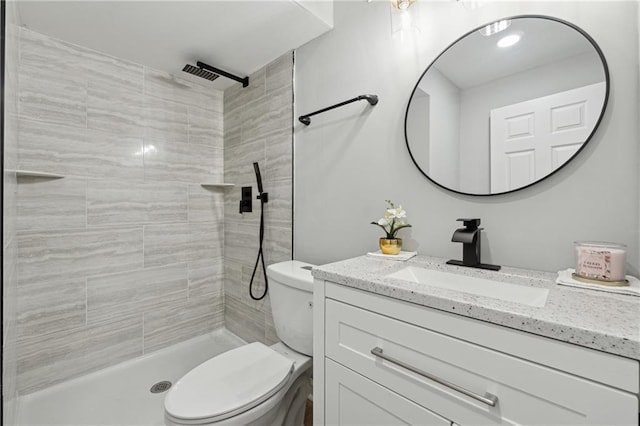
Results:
x,y
120,395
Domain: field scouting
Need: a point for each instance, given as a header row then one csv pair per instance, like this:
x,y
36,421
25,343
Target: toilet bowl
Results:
x,y
256,384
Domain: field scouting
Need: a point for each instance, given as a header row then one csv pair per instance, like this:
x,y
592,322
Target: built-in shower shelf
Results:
x,y
35,173
217,185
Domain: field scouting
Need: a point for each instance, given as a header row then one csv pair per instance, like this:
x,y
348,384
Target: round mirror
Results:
x,y
506,105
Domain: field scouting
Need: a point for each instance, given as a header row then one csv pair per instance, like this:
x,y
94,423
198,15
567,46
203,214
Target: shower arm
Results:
x,y
372,99
244,81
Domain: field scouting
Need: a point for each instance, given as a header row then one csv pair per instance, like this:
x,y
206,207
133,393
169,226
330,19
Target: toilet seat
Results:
x,y
228,384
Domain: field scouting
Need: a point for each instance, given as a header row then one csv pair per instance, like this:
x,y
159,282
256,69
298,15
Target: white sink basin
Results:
x,y
525,295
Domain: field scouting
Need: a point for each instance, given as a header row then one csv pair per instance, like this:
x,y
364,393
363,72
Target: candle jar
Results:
x,y
600,261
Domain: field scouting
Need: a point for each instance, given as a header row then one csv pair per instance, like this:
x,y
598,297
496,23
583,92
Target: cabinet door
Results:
x,y
527,393
351,399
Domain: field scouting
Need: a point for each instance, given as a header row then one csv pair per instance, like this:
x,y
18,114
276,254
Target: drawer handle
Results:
x,y
488,399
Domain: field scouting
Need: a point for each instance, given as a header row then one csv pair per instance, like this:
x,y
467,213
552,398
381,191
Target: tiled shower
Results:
x,y
127,252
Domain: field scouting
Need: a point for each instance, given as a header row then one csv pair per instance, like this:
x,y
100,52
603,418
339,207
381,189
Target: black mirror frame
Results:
x,y
595,128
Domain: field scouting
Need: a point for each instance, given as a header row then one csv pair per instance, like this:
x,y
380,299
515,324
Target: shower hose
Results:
x,y
260,257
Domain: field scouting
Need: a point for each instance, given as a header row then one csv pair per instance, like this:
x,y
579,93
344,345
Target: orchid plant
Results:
x,y
392,221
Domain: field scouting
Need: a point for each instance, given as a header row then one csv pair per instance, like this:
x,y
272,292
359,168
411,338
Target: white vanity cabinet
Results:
x,y
378,360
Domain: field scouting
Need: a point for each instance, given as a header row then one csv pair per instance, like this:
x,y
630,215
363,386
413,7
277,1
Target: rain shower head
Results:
x,y
200,72
211,73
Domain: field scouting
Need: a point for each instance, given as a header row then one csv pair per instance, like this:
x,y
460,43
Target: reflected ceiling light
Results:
x,y
509,40
402,4
471,4
495,27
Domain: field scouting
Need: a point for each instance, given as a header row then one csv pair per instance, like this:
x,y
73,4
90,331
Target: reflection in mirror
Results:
x,y
506,105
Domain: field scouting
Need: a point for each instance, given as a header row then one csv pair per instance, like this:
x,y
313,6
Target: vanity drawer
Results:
x,y
527,393
353,399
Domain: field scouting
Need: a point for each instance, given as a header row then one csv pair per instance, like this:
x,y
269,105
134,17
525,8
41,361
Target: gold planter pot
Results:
x,y
390,245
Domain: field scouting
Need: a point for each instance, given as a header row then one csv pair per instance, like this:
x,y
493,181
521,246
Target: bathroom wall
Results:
x,y
257,128
348,161
9,204
122,256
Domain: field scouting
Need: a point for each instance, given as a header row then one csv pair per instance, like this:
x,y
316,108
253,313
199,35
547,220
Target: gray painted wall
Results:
x,y
348,161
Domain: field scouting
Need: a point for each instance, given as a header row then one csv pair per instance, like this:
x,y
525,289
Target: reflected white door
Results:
x,y
531,139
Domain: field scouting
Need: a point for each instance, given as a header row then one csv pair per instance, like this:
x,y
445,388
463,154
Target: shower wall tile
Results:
x,y
206,204
205,127
278,152
60,254
52,358
83,64
51,203
79,152
50,306
237,96
62,101
279,74
115,110
145,290
9,210
258,127
177,243
167,326
181,162
112,202
241,241
166,121
165,86
279,210
206,277
128,235
246,321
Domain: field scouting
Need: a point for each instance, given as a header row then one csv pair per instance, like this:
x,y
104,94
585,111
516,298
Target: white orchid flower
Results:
x,y
383,222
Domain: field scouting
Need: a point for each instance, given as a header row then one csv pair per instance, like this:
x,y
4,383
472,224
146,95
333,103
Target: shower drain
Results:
x,y
160,387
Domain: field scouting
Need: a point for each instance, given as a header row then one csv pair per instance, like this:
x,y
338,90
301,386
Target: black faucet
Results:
x,y
469,236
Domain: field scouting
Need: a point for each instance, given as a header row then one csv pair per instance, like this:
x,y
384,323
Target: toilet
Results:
x,y
256,384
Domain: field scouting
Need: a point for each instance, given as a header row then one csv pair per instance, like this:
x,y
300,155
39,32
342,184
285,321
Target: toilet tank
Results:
x,y
291,295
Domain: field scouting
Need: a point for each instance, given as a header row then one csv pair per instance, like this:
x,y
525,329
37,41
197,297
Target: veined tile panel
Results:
x,y
206,204
278,153
83,64
237,96
246,321
165,86
52,358
258,127
115,110
183,242
127,293
47,204
79,152
61,101
111,202
205,127
170,325
166,121
206,278
182,162
280,73
52,305
60,254
9,210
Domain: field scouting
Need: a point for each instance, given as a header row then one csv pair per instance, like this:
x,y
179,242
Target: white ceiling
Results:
x,y
237,36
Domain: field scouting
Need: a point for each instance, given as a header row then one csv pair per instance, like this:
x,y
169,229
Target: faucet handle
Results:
x,y
470,224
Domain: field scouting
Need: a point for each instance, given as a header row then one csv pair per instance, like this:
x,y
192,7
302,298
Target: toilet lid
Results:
x,y
229,384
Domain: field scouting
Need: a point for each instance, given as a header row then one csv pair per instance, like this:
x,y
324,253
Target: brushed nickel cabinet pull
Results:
x,y
488,399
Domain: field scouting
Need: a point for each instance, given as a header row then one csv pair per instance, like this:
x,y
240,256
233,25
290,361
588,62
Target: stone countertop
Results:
x,y
594,319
